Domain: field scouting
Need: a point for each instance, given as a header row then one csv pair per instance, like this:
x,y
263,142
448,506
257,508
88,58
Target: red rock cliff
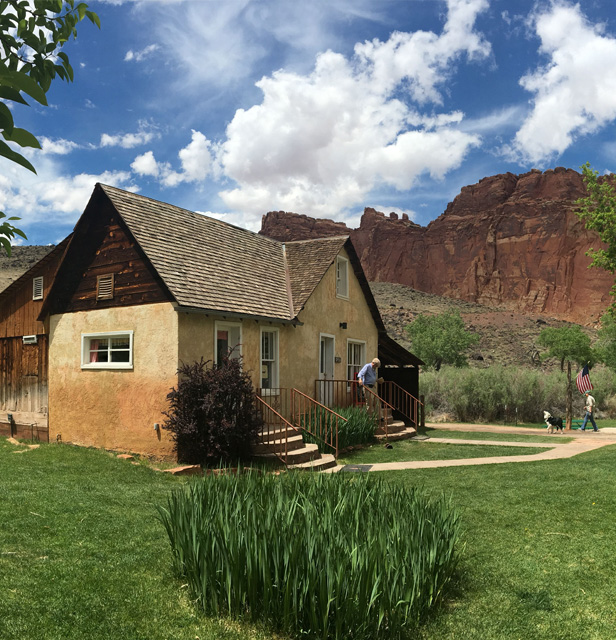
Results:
x,y
510,240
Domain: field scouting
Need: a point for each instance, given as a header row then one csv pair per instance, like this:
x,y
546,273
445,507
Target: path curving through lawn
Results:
x,y
582,442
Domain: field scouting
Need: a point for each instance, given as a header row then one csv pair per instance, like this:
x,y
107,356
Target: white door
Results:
x,y
326,370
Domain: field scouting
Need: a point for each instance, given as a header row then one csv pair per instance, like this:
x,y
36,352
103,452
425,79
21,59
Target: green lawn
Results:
x,y
407,450
82,554
485,435
539,561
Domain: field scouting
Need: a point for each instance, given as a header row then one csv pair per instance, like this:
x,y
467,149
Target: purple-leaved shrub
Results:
x,y
212,415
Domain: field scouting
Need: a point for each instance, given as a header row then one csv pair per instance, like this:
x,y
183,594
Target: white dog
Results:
x,y
552,422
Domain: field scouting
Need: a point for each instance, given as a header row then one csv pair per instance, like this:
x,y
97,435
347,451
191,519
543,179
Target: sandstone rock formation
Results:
x,y
510,240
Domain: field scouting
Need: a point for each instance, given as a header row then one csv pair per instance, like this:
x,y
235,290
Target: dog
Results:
x,y
552,422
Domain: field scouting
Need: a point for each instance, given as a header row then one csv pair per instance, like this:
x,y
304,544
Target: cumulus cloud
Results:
x,y
319,143
195,159
58,146
51,196
575,92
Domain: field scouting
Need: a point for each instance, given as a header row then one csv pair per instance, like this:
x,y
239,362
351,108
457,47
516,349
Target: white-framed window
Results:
x,y
228,340
356,356
342,277
37,288
108,350
270,361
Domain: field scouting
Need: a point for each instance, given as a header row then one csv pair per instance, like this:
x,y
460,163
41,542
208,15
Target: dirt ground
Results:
x,y
505,337
22,259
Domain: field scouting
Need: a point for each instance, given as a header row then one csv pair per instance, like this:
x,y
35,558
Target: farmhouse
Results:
x,y
141,286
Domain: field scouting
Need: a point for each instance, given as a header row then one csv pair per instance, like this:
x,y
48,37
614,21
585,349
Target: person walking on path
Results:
x,y
590,407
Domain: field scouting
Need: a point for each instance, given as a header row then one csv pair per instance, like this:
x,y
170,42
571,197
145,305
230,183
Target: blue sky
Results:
x,y
325,107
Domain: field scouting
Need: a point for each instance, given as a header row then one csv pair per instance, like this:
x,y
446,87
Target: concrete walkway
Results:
x,y
582,442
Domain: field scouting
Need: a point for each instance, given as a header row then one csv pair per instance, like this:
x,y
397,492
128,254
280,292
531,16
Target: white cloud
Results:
x,y
575,92
128,140
319,143
51,197
196,161
139,56
145,165
56,147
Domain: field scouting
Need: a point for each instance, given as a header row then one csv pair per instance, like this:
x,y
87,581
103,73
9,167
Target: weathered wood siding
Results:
x,y
106,247
18,311
23,375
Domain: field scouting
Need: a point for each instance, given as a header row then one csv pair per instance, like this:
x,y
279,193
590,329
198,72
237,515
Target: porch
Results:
x,y
308,432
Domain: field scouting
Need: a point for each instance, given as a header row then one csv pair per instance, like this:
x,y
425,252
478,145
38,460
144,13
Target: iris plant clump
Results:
x,y
321,556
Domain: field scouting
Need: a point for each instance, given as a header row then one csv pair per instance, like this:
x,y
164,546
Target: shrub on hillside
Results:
x,y
316,556
212,416
494,394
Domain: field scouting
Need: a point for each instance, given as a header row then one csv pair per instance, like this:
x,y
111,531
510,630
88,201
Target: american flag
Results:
x,y
583,380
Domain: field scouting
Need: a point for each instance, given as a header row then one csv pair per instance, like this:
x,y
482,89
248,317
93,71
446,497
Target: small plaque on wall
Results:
x,y
338,359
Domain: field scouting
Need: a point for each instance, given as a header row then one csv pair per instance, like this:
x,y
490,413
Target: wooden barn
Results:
x,y
24,350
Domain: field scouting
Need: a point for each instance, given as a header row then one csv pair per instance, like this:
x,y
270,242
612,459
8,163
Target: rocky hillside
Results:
x,y
511,241
21,259
505,337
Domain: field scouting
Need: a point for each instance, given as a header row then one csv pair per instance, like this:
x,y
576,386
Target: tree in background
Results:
x,y
605,348
441,339
568,344
32,35
598,211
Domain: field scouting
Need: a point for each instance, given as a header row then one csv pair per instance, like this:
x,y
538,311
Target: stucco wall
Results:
x,y
114,409
298,346
323,313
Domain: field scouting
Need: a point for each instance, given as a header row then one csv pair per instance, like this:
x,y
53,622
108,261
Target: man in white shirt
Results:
x,y
590,408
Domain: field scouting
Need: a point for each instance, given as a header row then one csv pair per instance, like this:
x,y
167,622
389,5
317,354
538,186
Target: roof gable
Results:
x,y
308,261
205,263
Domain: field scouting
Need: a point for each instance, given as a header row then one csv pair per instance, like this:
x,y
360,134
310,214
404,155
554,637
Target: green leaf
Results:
x,y
93,18
7,152
7,245
22,82
23,138
6,120
8,93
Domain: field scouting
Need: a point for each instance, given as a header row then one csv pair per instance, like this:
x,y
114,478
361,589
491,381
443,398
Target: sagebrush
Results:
x,y
501,393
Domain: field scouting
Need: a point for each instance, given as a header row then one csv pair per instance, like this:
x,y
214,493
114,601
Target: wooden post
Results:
x,y
569,397
422,412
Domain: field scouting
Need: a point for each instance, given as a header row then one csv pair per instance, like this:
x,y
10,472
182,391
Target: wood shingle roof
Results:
x,y
211,265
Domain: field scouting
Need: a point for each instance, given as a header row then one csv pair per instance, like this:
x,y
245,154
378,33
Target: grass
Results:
x,y
410,450
539,559
82,554
319,556
485,435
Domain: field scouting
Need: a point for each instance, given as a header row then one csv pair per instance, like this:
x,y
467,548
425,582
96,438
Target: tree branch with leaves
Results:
x,y
32,34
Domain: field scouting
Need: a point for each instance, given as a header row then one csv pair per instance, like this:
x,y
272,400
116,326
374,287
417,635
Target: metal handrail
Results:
x,y
380,402
273,422
403,401
323,430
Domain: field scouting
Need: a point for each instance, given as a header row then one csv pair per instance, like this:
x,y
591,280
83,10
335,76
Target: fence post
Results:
x,y
422,412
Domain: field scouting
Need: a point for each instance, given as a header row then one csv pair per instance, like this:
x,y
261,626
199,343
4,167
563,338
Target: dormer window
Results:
x,y
37,288
104,287
342,277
